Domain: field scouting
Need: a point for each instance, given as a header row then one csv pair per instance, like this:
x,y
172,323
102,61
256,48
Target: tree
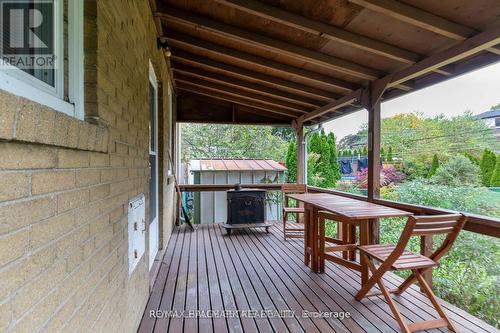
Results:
x,y
457,171
382,154
291,162
495,178
487,165
389,155
231,141
365,151
286,133
434,166
495,107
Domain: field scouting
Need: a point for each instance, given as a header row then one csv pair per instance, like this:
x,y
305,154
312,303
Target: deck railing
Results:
x,y
483,225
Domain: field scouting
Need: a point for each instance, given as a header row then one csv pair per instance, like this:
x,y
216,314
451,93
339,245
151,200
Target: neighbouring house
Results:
x,y
232,171
492,119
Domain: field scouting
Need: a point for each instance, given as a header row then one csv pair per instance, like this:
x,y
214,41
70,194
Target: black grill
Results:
x,y
246,206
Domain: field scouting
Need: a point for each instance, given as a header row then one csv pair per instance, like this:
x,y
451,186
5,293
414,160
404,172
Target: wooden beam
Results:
x,y
471,46
183,41
355,96
324,30
248,75
273,111
252,87
295,110
278,46
195,108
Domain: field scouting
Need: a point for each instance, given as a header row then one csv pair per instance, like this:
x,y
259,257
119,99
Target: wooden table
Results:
x,y
346,211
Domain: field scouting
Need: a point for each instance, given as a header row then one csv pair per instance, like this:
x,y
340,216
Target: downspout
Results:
x,y
304,145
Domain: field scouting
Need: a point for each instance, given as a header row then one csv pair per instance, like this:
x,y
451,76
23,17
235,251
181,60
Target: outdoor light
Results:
x,y
162,43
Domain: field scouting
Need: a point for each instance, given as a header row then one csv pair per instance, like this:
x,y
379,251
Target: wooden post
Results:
x,y
426,250
299,130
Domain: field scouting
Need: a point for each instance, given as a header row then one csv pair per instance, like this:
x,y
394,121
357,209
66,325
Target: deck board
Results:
x,y
252,270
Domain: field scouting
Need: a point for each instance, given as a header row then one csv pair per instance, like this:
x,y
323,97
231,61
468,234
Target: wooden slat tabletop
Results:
x,y
347,207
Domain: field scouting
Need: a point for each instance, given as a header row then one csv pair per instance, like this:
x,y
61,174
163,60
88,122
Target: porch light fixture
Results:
x,y
162,44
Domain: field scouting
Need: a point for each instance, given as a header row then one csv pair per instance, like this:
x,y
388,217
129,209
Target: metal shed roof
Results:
x,y
235,165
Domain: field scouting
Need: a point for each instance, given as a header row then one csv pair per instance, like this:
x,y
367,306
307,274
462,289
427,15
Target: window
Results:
x,y
497,122
32,53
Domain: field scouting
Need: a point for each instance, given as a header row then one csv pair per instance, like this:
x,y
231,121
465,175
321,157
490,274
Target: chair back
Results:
x,y
293,188
429,225
289,188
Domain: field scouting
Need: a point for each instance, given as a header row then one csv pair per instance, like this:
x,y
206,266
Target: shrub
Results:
x,y
388,176
389,155
434,166
487,165
495,178
457,171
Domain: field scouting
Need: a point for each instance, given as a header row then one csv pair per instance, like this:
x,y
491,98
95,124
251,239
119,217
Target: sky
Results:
x,y
477,92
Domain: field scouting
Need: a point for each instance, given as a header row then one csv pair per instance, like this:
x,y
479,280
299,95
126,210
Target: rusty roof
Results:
x,y
235,165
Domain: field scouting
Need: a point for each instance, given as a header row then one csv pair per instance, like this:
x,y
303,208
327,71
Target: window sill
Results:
x,y
20,88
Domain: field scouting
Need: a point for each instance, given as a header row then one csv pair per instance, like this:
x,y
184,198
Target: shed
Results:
x,y
232,171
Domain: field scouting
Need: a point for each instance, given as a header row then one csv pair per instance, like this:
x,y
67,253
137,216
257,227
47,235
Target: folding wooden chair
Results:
x,y
395,257
292,229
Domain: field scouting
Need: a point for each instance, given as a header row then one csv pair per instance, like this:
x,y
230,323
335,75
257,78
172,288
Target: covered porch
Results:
x,y
261,276
301,64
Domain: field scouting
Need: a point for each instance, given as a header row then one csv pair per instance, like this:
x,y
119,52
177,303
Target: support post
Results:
x,y
299,130
372,104
426,250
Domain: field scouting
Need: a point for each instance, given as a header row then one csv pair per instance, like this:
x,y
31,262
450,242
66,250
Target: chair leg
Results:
x,y
352,240
409,280
428,291
371,281
321,251
397,315
345,239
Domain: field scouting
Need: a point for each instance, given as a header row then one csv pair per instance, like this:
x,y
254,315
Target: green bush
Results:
x,y
457,171
434,166
495,178
487,165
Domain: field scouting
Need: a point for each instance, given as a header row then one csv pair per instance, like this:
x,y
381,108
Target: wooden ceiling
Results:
x,y
276,61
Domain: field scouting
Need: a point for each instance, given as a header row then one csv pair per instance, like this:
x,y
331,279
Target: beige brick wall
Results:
x,y
65,185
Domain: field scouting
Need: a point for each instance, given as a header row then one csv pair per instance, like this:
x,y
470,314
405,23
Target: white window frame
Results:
x,y
20,83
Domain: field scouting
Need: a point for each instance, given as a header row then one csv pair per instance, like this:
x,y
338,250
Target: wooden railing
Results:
x,y
484,225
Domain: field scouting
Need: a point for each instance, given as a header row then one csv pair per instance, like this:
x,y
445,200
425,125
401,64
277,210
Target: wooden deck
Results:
x,y
205,270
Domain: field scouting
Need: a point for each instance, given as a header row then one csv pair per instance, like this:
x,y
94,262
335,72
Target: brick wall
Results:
x,y
65,185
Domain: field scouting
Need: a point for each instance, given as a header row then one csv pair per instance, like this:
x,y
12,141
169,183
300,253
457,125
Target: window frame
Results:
x,y
20,83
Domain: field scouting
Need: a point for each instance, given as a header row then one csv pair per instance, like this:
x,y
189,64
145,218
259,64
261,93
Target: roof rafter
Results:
x,y
254,60
324,30
270,111
252,87
465,49
271,44
201,62
288,108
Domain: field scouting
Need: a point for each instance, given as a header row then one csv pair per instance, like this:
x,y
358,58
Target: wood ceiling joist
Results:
x,y
291,86
421,18
270,44
287,108
252,87
254,60
270,111
467,48
324,30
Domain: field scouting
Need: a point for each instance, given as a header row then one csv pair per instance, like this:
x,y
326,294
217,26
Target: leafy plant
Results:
x,y
434,166
457,171
388,176
389,155
487,165
495,178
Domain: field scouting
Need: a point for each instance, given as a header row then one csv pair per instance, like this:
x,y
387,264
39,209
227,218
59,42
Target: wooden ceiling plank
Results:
x,y
271,112
422,19
417,17
324,30
252,87
465,49
274,45
471,46
287,108
254,60
198,61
